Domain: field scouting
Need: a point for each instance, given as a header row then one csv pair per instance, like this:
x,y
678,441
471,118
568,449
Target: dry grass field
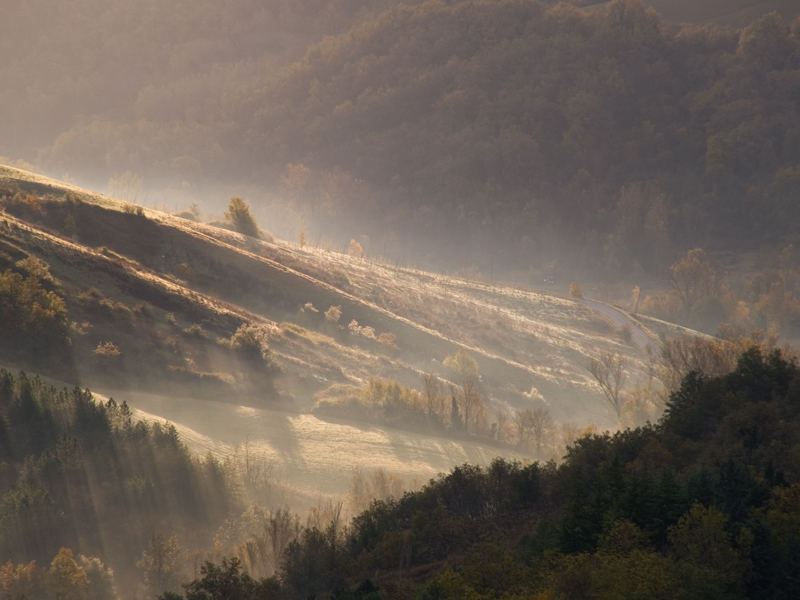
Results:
x,y
170,295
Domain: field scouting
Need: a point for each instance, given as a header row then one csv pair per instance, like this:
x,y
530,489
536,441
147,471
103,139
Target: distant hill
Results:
x,y
736,13
602,139
498,137
732,13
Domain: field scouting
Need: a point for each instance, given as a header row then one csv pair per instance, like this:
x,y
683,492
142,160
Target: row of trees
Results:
x,y
701,294
457,408
68,577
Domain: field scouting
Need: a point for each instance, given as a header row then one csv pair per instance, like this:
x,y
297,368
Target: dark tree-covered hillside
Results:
x,y
704,504
80,474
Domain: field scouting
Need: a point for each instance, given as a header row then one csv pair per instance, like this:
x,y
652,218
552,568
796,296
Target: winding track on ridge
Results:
x,y
619,318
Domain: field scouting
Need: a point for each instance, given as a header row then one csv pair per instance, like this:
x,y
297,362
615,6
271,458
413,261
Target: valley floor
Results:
x,y
308,459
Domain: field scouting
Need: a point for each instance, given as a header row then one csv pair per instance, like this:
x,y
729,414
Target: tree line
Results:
x,y
705,503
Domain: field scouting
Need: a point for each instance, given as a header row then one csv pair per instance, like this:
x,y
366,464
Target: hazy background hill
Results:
x,y
736,13
519,139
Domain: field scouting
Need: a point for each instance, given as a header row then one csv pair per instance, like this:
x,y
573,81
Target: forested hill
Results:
x,y
706,504
498,135
729,12
79,473
606,136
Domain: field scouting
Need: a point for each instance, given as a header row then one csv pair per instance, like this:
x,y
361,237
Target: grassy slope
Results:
x,y
531,347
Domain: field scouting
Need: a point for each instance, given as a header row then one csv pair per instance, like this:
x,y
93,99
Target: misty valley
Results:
x,y
400,299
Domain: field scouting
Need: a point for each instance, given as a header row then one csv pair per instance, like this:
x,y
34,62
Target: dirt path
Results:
x,y
639,337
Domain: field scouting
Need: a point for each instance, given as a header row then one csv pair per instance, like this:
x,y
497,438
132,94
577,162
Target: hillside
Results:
x,y
154,305
730,13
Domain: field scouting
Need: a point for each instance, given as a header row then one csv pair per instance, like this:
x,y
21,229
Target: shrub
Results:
x,y
388,339
333,314
251,342
362,330
355,249
33,320
238,214
106,350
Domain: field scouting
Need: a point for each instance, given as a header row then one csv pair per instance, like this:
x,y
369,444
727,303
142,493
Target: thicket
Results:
x,y
456,408
702,295
703,504
33,316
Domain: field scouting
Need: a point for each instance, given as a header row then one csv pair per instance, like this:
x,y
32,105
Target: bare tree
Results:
x,y
522,423
692,278
680,356
469,397
501,420
609,372
532,425
472,404
433,392
270,534
540,424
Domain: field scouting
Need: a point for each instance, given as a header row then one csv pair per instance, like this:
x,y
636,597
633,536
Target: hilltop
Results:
x,y
179,315
735,13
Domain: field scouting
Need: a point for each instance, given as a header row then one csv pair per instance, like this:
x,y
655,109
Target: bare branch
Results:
x,y
609,372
